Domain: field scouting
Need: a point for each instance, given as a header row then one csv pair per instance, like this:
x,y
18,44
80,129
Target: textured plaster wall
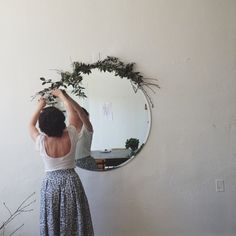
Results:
x,y
189,45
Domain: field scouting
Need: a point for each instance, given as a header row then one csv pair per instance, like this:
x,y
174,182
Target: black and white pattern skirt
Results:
x,y
88,163
64,208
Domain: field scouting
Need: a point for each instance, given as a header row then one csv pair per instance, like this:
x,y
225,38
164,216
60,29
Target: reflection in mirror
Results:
x,y
121,120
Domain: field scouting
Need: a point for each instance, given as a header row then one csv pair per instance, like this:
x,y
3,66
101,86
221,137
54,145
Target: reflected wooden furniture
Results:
x,y
112,158
100,164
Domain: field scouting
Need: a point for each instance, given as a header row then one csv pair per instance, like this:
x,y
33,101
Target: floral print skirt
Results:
x,y
64,208
88,163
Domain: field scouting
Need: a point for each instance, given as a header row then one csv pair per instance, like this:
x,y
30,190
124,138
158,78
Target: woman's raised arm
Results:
x,y
72,114
81,113
33,121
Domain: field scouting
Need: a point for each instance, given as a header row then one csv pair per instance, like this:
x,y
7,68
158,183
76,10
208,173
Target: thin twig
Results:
x,y
16,230
150,88
26,200
18,211
7,208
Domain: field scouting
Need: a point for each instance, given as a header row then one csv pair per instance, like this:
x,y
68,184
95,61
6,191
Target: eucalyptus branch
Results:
x,y
110,64
22,208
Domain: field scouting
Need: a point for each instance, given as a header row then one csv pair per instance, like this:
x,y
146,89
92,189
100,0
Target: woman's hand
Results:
x,y
41,103
57,93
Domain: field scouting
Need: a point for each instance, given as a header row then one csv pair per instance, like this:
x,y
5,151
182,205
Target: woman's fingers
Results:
x,y
41,102
56,92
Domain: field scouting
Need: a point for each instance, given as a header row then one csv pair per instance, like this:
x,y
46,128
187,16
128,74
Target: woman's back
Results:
x,y
58,146
58,152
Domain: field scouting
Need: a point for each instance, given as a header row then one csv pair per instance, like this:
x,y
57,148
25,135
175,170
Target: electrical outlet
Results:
x,y
220,185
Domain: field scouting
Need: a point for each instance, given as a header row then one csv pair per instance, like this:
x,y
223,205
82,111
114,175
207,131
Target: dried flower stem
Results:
x,y
22,208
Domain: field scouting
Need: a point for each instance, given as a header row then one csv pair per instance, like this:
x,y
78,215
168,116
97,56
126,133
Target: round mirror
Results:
x,y
118,104
121,120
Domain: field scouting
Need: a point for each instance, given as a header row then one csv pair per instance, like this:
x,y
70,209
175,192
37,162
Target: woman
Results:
x,y
83,148
64,208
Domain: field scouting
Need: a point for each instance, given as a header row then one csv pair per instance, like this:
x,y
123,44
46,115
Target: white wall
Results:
x,y
189,45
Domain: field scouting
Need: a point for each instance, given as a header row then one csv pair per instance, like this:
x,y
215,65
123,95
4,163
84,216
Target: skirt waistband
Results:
x,y
60,173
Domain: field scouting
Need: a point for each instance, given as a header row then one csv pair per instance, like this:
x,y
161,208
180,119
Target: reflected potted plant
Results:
x,y
132,143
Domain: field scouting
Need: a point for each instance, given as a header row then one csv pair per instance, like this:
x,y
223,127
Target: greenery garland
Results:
x,y
109,64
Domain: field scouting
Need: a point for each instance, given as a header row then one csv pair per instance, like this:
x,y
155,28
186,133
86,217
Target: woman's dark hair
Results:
x,y
86,112
52,122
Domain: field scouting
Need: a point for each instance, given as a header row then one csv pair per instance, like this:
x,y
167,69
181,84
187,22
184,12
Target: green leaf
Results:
x,y
109,64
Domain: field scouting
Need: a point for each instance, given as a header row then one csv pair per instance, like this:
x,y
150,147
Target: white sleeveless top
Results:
x,y
83,147
58,163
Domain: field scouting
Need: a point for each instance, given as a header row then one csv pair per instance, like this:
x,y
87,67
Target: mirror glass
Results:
x,y
120,117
